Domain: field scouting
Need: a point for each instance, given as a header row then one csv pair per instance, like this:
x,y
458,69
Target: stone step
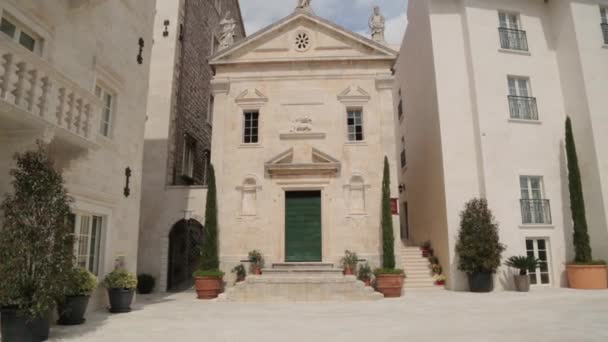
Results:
x,y
301,272
302,265
422,286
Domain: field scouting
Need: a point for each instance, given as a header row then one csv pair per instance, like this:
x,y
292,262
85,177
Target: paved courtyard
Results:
x,y
542,315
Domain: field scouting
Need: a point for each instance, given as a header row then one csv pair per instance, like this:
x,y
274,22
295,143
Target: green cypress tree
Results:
x,y
36,239
388,238
577,202
209,249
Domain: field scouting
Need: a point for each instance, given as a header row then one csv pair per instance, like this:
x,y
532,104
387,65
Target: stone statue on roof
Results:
x,y
227,28
303,4
376,25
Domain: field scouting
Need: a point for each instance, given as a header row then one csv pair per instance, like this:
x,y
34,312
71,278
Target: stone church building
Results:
x,y
303,119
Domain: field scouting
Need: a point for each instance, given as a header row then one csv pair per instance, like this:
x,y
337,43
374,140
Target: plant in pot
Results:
x,y
479,249
426,249
436,269
240,272
440,279
389,280
73,307
524,264
349,262
121,285
145,283
36,247
256,262
365,274
583,272
209,277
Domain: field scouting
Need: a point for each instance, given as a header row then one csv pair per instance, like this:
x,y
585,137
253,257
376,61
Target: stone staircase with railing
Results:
x,y
417,269
300,282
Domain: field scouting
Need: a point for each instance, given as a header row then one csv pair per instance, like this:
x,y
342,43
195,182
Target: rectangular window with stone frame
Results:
x,y
188,161
251,127
354,122
20,34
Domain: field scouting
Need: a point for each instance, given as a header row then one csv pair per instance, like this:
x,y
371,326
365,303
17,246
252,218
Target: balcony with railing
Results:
x,y
511,39
36,97
605,31
536,211
523,108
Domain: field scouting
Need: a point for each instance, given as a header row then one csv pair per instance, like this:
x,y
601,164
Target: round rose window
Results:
x,y
302,41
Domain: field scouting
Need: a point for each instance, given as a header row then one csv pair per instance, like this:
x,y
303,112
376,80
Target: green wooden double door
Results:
x,y
303,226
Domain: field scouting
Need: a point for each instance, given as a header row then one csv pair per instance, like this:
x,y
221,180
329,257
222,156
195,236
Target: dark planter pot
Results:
x,y
72,310
120,300
481,282
16,327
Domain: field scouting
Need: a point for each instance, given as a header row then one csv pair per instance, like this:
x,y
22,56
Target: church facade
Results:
x,y
302,121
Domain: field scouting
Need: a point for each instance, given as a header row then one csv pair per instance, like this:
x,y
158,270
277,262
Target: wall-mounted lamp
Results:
x,y
127,191
401,188
140,58
166,31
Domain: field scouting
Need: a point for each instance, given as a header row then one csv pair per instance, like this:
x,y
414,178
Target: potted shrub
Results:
x,y
524,264
73,307
240,272
479,249
36,247
583,272
436,269
209,277
426,249
145,283
349,262
365,274
256,262
389,280
121,286
440,279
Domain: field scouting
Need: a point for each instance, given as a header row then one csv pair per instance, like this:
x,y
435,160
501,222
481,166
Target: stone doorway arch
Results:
x,y
184,240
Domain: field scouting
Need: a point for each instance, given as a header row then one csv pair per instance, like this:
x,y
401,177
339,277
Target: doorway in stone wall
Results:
x,y
184,253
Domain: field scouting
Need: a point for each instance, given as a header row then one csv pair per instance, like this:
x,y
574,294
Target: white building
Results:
x,y
75,75
485,87
302,121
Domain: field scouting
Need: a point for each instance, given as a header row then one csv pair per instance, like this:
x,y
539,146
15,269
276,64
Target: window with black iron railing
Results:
x,y
605,31
512,39
536,211
523,107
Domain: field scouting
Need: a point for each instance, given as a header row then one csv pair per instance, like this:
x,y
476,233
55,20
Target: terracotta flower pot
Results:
x,y
440,282
348,271
208,287
390,285
368,282
256,270
587,277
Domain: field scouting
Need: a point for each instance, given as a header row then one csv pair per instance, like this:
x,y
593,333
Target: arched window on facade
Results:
x,y
356,194
249,194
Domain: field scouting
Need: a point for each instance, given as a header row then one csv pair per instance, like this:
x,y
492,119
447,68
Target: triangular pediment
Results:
x,y
354,93
302,160
303,36
251,96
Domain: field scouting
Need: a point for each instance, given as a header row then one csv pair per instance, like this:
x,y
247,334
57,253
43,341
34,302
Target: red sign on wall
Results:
x,y
395,206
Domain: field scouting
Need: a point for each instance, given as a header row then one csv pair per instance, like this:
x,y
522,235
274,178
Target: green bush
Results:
x,y
37,237
479,249
388,237
145,283
240,271
82,282
256,259
365,272
210,261
524,264
120,279
208,273
349,260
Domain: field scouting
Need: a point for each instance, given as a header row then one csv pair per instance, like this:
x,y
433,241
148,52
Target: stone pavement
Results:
x,y
422,315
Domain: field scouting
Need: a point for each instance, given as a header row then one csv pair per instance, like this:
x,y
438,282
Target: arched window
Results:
x,y
356,195
249,197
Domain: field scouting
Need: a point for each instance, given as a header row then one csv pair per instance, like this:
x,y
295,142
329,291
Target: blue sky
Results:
x,y
352,14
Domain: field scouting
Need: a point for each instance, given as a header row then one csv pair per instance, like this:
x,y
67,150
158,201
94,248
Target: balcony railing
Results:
x,y
513,39
536,211
523,108
33,92
605,31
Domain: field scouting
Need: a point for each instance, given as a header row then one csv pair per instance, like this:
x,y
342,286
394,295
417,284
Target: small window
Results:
x,y
87,229
189,155
20,34
250,134
509,20
521,103
107,111
405,228
535,209
403,159
539,248
210,109
355,124
512,36
604,16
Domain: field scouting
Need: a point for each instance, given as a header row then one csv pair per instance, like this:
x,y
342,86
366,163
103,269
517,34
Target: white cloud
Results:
x,y
352,14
